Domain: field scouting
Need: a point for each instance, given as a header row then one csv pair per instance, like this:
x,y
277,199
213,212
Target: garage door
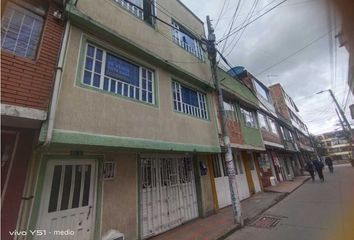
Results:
x,y
167,193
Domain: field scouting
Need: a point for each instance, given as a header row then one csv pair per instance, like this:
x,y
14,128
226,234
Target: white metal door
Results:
x,y
255,178
168,195
221,181
68,200
241,178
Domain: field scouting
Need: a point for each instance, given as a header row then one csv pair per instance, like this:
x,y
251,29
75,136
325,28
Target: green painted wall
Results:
x,y
231,85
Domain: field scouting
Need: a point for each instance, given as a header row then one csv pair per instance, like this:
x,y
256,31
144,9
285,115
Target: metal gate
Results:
x,y
167,193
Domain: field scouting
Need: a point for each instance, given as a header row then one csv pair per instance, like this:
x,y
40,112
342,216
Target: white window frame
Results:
x,y
230,111
25,13
178,105
119,86
247,113
196,50
261,117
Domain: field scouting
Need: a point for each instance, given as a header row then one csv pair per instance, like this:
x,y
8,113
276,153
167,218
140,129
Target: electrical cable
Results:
x,y
258,17
221,12
294,53
247,19
234,17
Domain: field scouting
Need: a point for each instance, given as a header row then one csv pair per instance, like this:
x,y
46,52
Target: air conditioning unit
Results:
x,y
113,235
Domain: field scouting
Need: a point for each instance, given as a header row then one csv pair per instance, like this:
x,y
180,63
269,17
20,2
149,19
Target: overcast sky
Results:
x,y
279,34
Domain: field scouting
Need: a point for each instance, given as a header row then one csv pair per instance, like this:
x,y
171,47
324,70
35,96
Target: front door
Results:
x,y
248,169
221,179
67,205
253,168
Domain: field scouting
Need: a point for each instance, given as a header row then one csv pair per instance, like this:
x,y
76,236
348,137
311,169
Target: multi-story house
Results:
x,y
336,145
267,119
246,141
132,123
289,111
31,33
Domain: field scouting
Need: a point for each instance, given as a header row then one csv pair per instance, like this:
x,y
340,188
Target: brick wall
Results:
x,y
26,82
271,137
279,102
234,132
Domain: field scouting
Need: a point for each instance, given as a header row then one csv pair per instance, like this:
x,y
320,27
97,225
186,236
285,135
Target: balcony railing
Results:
x,y
196,51
132,8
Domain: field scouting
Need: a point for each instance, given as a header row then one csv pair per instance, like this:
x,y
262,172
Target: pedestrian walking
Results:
x,y
311,169
319,168
329,163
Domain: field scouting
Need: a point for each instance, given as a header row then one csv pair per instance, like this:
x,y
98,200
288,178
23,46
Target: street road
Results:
x,y
315,211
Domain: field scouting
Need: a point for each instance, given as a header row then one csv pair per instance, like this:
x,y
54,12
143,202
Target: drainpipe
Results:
x,y
57,84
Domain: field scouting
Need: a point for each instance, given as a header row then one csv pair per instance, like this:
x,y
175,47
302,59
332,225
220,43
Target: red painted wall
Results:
x,y
17,176
26,82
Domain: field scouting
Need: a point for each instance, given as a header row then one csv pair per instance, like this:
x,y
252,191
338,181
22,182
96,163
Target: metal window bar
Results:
x,y
132,8
118,86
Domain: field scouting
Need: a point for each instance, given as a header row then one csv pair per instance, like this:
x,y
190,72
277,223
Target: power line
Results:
x,y
234,17
221,11
247,19
239,29
294,53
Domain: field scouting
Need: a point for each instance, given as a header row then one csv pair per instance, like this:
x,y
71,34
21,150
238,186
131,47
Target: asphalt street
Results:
x,y
315,211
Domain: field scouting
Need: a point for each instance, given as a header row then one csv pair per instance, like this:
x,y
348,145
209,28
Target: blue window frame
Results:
x,y
20,31
189,101
110,73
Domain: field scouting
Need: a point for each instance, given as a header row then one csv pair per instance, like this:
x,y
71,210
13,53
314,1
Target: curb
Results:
x,y
247,221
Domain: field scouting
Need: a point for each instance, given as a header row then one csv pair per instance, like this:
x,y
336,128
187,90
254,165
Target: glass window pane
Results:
x,y
86,193
77,187
66,188
87,77
90,51
54,192
105,84
113,86
96,80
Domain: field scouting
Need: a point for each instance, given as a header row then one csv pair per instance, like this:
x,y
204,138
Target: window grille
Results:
x,y
110,73
189,101
184,39
109,170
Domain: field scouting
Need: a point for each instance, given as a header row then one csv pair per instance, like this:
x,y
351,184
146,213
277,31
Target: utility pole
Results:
x,y
345,123
236,205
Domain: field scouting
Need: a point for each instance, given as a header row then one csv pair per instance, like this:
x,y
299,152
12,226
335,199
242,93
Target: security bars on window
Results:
x,y
20,31
132,8
189,101
105,71
183,39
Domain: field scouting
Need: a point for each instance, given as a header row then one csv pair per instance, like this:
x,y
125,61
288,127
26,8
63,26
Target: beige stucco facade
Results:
x,y
157,39
89,111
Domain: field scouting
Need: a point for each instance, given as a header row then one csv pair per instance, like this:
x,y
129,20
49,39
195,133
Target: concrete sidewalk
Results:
x,y
221,224
288,186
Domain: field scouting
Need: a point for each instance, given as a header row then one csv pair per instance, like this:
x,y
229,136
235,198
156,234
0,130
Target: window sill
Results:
x,y
12,55
86,87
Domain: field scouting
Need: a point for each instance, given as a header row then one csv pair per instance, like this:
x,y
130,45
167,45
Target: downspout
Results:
x,y
57,84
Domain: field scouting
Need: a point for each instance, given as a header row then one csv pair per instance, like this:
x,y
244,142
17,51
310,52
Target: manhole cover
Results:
x,y
266,222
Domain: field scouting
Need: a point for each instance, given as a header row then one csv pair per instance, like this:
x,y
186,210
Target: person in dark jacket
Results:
x,y
319,168
311,169
329,163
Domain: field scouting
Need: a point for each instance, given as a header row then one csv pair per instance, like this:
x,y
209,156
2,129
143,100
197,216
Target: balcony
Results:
x,y
143,11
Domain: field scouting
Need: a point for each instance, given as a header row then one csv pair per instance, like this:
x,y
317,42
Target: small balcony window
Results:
x,y
142,9
186,40
20,31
